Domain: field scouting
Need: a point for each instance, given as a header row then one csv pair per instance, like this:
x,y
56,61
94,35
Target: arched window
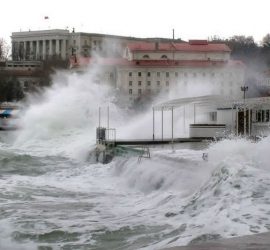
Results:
x,y
146,56
164,57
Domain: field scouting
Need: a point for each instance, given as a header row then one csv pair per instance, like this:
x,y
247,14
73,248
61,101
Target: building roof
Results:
x,y
200,100
32,33
215,100
191,46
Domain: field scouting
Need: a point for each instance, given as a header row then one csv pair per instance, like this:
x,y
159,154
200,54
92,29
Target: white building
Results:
x,y
158,67
149,68
60,43
40,45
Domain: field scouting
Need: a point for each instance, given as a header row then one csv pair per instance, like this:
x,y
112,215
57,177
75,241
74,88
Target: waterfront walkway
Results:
x,y
156,141
250,242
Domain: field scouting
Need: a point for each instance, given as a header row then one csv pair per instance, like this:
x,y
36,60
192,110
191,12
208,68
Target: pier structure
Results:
x,y
108,146
214,117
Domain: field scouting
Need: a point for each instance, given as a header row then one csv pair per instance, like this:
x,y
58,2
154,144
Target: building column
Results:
x,y
57,48
24,50
13,50
31,52
20,52
63,49
37,50
50,48
44,50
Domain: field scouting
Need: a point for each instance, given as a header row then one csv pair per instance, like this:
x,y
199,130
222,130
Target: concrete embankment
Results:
x,y
249,242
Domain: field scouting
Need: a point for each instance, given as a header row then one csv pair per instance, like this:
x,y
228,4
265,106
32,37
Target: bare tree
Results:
x,y
4,49
266,40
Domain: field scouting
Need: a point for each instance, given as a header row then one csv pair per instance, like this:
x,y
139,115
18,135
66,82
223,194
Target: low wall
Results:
x,y
206,130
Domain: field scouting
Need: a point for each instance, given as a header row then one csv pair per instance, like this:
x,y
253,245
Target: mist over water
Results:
x,y
52,197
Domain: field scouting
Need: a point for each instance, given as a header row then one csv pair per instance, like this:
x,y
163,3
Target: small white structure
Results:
x,y
219,116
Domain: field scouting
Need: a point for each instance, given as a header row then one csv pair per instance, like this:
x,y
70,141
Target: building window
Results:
x,y
158,83
139,73
139,83
267,115
164,57
130,83
130,74
158,74
111,75
258,116
139,91
99,44
130,91
213,116
167,74
213,74
176,74
167,83
149,83
85,42
148,73
146,57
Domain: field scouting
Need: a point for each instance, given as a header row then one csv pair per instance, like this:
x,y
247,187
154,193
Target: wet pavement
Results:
x,y
250,242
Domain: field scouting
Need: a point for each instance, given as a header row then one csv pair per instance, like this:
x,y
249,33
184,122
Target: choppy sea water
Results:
x,y
174,198
52,196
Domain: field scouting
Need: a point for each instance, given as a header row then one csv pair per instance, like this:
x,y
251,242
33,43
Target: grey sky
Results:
x,y
143,18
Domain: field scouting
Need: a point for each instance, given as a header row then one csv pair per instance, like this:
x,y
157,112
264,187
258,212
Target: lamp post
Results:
x,y
244,89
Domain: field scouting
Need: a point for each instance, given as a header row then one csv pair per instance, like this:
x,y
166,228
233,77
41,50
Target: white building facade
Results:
x,y
155,68
150,68
60,43
40,45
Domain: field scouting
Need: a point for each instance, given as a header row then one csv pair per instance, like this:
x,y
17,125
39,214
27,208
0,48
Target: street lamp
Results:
x,y
244,89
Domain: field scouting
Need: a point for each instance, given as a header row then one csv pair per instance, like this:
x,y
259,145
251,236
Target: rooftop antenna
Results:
x,y
173,34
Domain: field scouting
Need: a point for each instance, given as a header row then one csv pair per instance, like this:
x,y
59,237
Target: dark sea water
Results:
x,y
52,201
